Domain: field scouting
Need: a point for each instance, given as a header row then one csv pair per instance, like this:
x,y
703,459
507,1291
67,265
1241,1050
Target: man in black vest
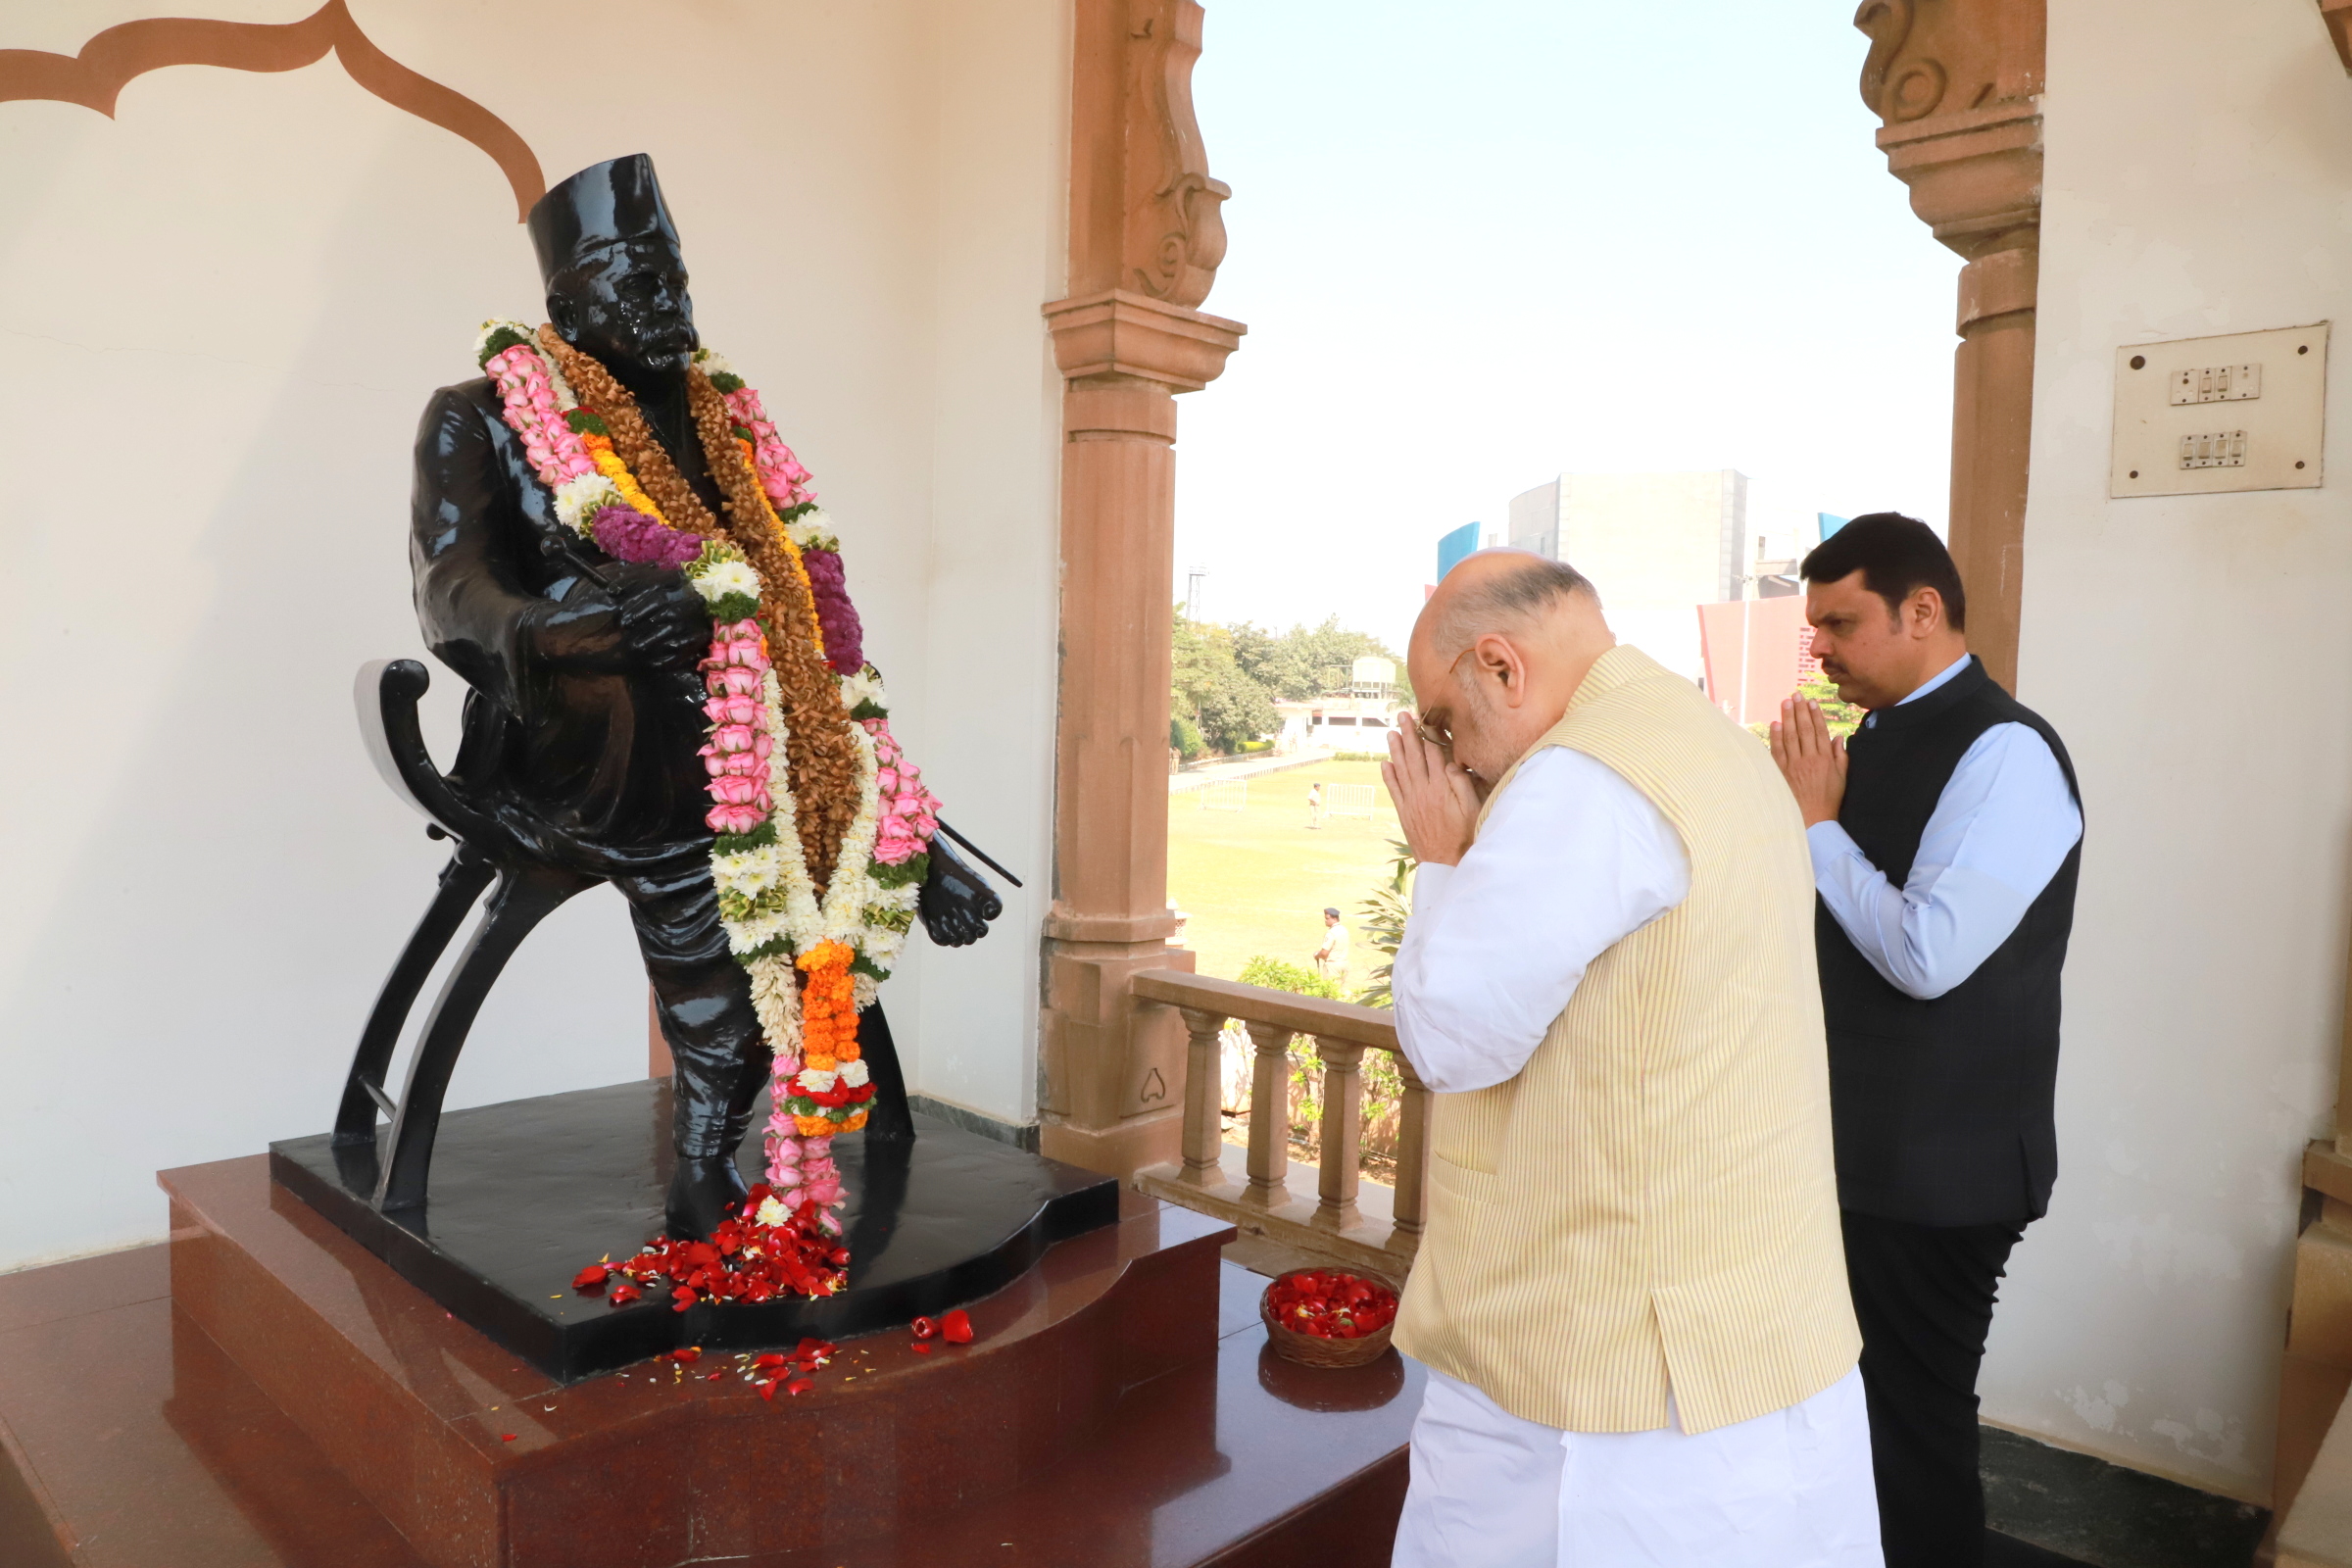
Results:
x,y
1946,835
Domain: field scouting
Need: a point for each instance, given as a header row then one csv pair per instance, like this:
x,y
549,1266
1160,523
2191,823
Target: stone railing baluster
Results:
x,y
1413,1163
1343,1132
1269,1115
1350,1222
1203,1092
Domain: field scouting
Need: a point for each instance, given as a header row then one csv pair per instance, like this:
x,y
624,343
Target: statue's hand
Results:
x,y
662,618
954,904
648,619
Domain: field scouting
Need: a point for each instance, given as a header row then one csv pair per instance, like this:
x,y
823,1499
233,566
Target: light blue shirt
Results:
x,y
1999,832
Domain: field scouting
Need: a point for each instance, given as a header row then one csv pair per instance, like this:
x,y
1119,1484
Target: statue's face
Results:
x,y
629,308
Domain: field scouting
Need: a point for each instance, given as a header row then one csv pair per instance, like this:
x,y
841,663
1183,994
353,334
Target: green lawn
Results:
x,y
1256,880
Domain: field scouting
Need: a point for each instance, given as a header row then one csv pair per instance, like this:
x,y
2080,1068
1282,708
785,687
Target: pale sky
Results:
x,y
1484,242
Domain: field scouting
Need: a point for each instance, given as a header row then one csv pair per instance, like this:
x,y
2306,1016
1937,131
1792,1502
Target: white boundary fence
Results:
x,y
1347,800
1225,794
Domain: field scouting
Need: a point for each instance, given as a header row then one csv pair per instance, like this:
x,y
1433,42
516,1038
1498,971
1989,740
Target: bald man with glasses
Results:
x,y
1631,1294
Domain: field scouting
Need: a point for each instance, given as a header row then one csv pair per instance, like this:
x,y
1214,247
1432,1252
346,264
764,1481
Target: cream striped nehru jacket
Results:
x,y
1651,1203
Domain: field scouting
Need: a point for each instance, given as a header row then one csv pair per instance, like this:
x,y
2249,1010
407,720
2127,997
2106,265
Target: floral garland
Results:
x,y
816,954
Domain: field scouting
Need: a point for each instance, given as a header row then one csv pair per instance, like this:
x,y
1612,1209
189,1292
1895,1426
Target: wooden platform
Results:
x,y
265,1393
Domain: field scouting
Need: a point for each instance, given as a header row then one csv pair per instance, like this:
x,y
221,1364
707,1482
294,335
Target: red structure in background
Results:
x,y
1757,652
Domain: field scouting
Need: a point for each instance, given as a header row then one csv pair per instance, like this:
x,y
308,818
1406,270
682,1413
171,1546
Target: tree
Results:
x,y
1276,974
1300,662
1845,717
1233,708
1384,914
1226,679
1211,690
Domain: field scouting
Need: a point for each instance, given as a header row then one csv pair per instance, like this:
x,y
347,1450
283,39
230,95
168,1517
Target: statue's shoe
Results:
x,y
702,1192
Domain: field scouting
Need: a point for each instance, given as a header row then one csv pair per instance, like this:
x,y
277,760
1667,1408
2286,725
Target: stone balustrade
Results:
x,y
1347,1221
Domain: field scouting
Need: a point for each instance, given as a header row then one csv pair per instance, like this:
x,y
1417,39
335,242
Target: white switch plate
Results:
x,y
2270,436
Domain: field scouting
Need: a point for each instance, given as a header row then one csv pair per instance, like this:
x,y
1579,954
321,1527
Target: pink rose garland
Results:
x,y
559,457
739,749
910,812
554,450
781,475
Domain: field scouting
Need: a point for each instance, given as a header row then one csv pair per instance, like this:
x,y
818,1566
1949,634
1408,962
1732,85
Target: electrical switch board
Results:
x,y
2166,440
2218,383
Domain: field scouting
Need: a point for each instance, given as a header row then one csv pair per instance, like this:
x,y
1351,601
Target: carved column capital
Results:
x,y
1144,215
1958,85
1975,175
1133,336
2338,14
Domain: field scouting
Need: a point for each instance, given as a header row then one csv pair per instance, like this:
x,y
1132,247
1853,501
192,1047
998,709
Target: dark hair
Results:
x,y
1898,556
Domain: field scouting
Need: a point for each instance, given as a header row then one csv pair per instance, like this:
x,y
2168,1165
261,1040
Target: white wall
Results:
x,y
221,313
2196,654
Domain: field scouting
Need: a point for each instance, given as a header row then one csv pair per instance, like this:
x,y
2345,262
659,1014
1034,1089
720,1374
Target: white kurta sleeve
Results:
x,y
1570,860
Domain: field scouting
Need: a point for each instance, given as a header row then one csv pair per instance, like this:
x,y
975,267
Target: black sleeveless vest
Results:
x,y
1942,1108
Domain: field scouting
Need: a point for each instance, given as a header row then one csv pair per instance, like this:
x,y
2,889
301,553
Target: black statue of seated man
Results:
x,y
596,757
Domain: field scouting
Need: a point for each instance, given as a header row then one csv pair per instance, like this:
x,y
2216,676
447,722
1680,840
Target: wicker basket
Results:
x,y
1312,1349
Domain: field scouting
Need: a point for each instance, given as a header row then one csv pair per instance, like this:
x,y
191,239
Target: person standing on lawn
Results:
x,y
1314,804
1630,1294
1946,837
1331,958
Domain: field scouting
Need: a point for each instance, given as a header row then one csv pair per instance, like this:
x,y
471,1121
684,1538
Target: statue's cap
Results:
x,y
603,205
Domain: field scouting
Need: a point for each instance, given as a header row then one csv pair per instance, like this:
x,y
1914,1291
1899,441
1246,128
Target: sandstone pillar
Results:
x,y
1958,85
1145,243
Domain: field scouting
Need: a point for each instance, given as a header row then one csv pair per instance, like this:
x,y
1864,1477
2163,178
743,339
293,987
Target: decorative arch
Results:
x,y
97,76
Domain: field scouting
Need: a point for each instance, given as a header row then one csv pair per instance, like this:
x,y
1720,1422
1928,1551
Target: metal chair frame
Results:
x,y
522,890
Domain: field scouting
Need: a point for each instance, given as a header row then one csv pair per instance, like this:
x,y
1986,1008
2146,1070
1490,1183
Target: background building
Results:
x,y
1355,717
1654,544
1452,546
1757,650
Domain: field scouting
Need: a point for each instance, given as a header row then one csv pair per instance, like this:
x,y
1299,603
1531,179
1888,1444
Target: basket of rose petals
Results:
x,y
1328,1317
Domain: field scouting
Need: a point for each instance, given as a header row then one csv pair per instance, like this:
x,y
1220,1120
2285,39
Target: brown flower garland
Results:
x,y
821,759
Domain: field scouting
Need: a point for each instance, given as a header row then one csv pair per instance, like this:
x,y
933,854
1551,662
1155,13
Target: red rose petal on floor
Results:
x,y
589,1278
924,1328
920,1348
957,1327
506,1437
768,1361
715,1376
799,1385
767,1391
690,1352
623,1295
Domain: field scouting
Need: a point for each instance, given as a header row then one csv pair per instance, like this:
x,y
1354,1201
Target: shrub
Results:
x,y
1185,736
1277,975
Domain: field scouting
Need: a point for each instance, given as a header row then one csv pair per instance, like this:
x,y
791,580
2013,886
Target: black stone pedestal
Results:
x,y
527,1194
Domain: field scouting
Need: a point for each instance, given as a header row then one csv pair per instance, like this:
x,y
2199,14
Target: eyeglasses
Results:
x,y
1435,726
1437,723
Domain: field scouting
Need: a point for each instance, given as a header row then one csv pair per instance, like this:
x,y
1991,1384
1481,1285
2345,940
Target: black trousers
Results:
x,y
1924,1295
703,998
